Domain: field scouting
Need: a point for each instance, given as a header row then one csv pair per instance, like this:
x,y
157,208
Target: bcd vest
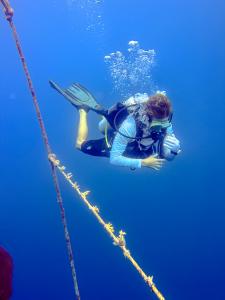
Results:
x,y
142,145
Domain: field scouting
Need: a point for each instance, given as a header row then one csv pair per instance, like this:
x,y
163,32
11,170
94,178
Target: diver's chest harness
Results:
x,y
149,134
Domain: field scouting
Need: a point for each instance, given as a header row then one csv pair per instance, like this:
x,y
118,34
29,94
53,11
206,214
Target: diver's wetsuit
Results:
x,y
120,152
96,147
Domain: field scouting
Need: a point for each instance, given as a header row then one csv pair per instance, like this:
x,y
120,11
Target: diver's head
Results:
x,y
158,107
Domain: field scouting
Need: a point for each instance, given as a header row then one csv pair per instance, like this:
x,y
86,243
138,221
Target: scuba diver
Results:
x,y
137,132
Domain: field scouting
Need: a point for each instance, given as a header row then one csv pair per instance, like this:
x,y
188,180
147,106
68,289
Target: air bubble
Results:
x,y
131,73
92,10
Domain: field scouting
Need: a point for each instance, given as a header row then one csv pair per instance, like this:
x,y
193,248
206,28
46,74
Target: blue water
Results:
x,y
174,219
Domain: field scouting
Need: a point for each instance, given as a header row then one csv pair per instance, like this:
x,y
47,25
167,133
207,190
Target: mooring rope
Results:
x,y
117,240
9,16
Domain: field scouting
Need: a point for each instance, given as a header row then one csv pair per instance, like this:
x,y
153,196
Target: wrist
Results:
x,y
143,163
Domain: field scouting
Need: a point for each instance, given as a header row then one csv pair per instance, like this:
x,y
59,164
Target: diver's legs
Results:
x,y
82,131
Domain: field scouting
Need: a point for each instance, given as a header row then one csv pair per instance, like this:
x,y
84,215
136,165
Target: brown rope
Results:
x,y
9,16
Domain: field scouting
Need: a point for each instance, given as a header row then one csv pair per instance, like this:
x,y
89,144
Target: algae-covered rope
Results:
x,y
117,240
9,16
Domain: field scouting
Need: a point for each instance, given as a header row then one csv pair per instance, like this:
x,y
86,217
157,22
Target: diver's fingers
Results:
x,y
171,138
158,165
171,141
160,161
169,144
155,168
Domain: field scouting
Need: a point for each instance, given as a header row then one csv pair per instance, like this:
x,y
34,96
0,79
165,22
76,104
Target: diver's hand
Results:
x,y
171,147
152,162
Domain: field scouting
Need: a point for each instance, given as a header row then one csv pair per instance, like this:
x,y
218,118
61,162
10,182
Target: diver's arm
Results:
x,y
119,145
128,128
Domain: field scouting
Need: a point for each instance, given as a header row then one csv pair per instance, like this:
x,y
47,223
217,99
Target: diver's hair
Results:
x,y
158,106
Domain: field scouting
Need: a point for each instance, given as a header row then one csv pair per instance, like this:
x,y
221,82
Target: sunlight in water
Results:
x,y
131,73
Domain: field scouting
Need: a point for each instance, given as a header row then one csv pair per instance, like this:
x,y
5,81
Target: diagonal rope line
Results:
x,y
117,240
9,15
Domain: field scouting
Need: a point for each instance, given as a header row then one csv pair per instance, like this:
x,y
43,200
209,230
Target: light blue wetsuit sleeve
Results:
x,y
120,142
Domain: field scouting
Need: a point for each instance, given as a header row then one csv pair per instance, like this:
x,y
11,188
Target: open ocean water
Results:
x,y
174,218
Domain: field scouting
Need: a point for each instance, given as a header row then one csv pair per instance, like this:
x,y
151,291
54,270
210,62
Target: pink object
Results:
x,y
6,271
